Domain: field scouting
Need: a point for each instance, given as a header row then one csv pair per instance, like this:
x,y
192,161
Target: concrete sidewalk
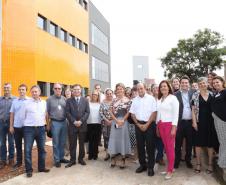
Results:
x,y
99,173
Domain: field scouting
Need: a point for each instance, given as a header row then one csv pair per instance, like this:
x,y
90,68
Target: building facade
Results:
x,y
99,49
140,68
44,42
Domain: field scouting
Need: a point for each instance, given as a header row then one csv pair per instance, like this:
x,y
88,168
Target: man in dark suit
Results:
x,y
77,111
184,128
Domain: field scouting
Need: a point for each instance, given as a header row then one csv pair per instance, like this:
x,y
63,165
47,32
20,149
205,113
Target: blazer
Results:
x,y
181,105
78,112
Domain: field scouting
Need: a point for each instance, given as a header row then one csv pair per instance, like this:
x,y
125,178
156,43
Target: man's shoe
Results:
x,y
82,162
58,164
29,174
70,164
90,157
45,170
141,169
95,158
2,164
189,165
16,166
151,172
64,161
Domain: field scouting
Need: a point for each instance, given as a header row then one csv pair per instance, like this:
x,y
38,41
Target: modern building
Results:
x,y
44,42
140,68
99,49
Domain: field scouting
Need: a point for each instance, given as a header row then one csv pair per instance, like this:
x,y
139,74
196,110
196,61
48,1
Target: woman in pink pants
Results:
x,y
167,118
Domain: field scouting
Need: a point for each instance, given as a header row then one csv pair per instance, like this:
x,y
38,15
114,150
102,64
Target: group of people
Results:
x,y
172,117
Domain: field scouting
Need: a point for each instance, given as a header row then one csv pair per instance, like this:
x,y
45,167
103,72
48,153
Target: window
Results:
x,y
51,89
79,44
140,66
99,70
99,39
80,2
71,40
85,5
85,47
42,22
63,35
53,29
43,87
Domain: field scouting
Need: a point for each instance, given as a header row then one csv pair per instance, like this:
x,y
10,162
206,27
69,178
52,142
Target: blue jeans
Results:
x,y
59,134
4,133
18,136
37,134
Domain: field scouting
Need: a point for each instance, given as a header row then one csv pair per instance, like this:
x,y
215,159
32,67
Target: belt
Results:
x,y
35,126
57,120
142,122
186,120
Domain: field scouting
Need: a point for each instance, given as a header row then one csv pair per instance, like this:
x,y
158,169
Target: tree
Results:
x,y
196,56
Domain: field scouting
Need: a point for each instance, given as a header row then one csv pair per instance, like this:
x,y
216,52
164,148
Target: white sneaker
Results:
x,y
168,176
163,173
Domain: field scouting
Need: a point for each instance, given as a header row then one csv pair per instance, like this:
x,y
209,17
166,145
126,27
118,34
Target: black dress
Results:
x,y
206,134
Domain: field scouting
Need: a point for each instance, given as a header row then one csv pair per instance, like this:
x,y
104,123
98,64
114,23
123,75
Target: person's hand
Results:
x,y
144,127
120,122
195,126
11,130
173,131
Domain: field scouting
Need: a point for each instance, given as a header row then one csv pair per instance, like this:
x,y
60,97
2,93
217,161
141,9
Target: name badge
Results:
x,y
59,107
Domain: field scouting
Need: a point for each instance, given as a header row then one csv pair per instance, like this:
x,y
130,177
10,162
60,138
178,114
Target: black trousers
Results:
x,y
146,143
184,130
94,131
75,134
18,136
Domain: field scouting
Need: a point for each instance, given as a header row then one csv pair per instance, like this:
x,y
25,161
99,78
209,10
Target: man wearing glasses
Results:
x,y
56,109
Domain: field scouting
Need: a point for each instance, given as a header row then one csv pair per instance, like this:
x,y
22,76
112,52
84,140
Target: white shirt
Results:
x,y
143,107
17,104
34,112
168,110
94,116
186,115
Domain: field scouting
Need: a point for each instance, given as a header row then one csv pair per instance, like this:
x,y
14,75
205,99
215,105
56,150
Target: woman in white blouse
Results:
x,y
167,118
94,125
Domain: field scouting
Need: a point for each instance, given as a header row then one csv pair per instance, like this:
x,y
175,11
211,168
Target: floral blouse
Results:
x,y
120,107
105,111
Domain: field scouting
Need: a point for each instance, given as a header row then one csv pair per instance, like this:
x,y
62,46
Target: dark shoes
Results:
x,y
176,165
64,161
2,164
107,157
82,162
151,172
29,174
141,169
16,166
189,165
70,164
45,170
58,164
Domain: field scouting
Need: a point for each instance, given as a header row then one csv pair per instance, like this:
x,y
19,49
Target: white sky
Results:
x,y
152,27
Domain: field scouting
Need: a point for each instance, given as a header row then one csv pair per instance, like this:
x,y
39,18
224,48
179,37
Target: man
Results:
x,y
16,125
184,128
56,109
34,115
77,111
5,105
144,110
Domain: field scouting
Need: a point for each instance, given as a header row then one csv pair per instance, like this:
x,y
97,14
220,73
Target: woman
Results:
x,y
176,84
210,77
106,119
94,126
219,115
159,144
204,134
167,118
119,142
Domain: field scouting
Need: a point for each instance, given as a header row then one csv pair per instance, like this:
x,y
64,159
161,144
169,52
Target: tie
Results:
x,y
77,101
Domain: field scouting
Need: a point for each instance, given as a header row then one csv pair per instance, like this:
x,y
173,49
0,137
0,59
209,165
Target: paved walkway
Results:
x,y
99,173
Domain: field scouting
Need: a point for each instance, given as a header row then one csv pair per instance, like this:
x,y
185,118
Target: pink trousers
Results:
x,y
168,142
